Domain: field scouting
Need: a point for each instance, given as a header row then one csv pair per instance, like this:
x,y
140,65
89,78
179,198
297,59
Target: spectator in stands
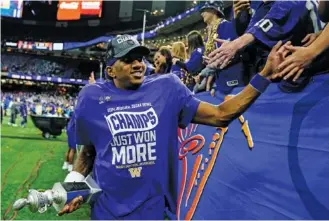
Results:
x,y
243,10
195,51
314,56
272,21
162,61
232,76
195,63
178,52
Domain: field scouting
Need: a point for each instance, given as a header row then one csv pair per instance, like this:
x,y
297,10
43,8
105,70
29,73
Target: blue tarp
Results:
x,y
271,164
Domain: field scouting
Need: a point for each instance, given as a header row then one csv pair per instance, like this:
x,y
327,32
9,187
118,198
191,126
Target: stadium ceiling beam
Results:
x,y
192,19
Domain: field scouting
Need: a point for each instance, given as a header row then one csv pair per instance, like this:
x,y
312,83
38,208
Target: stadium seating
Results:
x,y
47,66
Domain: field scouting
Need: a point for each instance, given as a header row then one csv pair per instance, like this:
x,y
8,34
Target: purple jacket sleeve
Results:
x,y
278,23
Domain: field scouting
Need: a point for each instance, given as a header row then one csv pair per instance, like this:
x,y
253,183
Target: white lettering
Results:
x,y
134,154
90,5
150,151
118,157
123,39
131,154
141,152
69,5
125,121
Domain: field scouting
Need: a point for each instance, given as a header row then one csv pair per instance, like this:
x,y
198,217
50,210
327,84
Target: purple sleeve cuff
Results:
x,y
260,83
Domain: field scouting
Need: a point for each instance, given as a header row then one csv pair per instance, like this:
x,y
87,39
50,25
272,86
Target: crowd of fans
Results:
x,y
231,52
223,56
47,66
22,104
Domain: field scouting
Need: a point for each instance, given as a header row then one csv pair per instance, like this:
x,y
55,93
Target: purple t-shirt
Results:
x,y
135,136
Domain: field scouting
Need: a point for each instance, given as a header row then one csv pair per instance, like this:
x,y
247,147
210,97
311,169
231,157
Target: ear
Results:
x,y
109,71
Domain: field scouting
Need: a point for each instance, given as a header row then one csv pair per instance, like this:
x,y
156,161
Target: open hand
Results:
x,y
72,206
276,56
309,38
91,79
239,5
174,60
221,56
294,64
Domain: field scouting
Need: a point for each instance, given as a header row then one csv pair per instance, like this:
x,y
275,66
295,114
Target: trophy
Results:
x,y
59,195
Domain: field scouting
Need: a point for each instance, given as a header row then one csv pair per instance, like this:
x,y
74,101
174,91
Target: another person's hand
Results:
x,y
197,79
72,206
276,56
309,38
157,66
212,92
174,60
294,64
91,79
221,56
239,5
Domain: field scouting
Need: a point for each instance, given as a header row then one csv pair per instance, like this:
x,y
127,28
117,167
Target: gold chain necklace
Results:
x,y
210,44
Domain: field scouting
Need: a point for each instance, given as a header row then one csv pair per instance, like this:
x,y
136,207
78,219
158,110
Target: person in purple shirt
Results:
x,y
23,112
128,129
218,27
195,49
272,21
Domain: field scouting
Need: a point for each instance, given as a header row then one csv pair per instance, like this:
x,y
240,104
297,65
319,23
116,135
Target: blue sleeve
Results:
x,y
81,113
195,63
187,103
278,23
71,124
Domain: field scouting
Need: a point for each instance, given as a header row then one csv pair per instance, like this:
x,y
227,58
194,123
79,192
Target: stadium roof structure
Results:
x,y
94,48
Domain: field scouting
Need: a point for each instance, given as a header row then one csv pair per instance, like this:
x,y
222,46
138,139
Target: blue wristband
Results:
x,y
260,83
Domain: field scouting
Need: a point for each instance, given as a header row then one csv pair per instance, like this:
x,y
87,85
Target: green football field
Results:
x,y
28,161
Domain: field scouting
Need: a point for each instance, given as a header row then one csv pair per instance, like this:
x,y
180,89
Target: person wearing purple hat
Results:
x,y
217,27
128,129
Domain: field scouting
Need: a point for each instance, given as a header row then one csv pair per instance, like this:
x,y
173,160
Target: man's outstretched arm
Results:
x,y
221,115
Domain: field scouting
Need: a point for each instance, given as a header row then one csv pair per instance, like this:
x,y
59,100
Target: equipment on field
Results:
x,y
49,125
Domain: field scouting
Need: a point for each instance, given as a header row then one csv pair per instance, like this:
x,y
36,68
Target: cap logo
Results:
x,y
124,38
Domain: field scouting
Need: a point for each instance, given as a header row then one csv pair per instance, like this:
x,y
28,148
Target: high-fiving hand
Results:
x,y
276,56
239,5
222,56
92,78
293,65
